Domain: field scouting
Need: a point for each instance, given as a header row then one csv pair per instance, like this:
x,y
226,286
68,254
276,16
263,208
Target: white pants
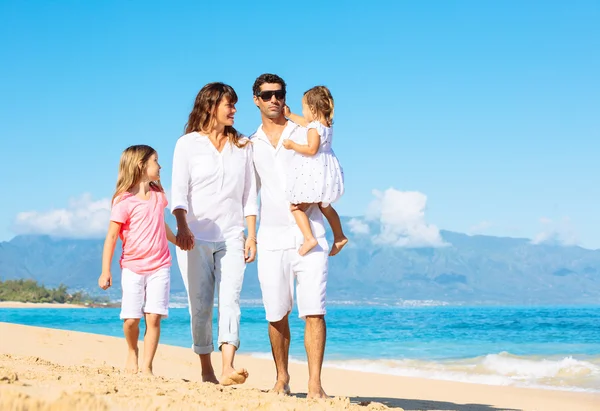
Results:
x,y
279,269
206,265
145,293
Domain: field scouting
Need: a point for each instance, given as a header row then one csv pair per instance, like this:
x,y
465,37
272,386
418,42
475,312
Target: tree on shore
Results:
x,y
31,291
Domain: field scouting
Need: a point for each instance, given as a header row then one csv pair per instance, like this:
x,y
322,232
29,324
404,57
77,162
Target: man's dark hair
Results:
x,y
267,78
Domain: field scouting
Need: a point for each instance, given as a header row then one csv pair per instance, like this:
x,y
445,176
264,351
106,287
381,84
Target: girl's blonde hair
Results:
x,y
320,102
132,167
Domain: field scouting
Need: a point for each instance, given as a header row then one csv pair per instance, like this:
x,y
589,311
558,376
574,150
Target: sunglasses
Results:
x,y
267,95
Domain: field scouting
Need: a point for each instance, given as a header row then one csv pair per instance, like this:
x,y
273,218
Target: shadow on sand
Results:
x,y
421,405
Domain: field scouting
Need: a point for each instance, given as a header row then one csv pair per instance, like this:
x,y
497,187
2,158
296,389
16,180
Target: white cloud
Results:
x,y
557,233
401,215
358,226
480,228
83,218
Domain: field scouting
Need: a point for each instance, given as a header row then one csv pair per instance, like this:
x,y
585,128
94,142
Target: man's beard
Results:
x,y
273,114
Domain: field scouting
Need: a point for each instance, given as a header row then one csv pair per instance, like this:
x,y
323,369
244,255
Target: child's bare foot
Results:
x,y
308,245
147,371
131,367
212,378
338,244
234,377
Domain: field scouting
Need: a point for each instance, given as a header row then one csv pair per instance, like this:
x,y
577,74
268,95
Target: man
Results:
x,y
279,238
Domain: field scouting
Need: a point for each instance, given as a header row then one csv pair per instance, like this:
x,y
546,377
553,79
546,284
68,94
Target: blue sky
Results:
x,y
489,110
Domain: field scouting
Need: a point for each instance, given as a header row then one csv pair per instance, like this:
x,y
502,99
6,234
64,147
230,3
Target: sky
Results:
x,y
470,116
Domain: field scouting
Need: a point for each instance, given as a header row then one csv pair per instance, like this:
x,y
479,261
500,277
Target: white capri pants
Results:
x,y
206,265
145,293
278,270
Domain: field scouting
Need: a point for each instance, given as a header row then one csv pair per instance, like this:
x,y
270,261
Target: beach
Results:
x,y
48,369
18,304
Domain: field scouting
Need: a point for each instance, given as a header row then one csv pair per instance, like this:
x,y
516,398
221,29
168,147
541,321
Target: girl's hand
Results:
x,y
184,238
105,280
288,144
286,111
250,250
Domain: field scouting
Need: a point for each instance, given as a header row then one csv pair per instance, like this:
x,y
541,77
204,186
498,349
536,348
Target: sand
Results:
x,y
45,369
17,304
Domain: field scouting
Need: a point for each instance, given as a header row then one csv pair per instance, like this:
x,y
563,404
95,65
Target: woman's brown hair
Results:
x,y
204,111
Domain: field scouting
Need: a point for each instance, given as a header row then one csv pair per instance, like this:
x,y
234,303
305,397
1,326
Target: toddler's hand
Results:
x,y
287,144
105,280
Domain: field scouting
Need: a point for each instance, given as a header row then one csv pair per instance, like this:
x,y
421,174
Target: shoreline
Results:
x,y
81,350
486,370
19,304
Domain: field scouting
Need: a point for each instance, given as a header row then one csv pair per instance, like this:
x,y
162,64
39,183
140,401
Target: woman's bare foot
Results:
x,y
131,366
308,245
315,391
282,388
234,377
338,244
212,378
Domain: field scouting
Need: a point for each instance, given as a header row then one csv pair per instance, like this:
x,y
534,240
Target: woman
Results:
x,y
213,190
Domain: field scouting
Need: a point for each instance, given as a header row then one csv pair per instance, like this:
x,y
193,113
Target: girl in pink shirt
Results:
x,y
137,218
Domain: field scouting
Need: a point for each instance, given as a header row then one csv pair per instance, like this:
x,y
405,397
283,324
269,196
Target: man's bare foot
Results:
x,y
131,367
307,246
212,378
234,377
316,392
338,244
282,388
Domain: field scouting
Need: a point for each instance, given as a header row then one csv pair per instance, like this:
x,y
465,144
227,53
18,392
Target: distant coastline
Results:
x,y
24,293
19,304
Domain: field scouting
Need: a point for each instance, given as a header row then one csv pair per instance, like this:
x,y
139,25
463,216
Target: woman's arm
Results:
x,y
250,246
250,204
250,194
180,186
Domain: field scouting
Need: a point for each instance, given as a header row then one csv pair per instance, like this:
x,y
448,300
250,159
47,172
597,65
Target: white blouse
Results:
x,y
216,189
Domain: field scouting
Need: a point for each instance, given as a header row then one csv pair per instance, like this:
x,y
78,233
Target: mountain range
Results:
x,y
468,270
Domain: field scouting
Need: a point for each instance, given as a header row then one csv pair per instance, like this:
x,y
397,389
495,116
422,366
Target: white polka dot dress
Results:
x,y
318,178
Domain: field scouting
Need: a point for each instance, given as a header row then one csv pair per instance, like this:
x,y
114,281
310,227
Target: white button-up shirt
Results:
x,y
278,229
216,189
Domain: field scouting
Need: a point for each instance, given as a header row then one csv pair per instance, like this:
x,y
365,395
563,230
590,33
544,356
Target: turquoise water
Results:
x,y
550,347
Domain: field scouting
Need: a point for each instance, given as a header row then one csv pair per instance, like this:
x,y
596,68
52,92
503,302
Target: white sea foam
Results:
x,y
178,305
388,303
523,368
181,302
565,373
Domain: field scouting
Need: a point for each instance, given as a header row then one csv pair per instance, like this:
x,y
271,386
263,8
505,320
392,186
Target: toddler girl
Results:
x,y
315,175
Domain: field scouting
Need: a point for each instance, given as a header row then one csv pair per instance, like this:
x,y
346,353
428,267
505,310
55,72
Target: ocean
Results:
x,y
541,347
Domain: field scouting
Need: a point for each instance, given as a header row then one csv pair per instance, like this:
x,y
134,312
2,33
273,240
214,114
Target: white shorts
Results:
x,y
277,272
145,293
